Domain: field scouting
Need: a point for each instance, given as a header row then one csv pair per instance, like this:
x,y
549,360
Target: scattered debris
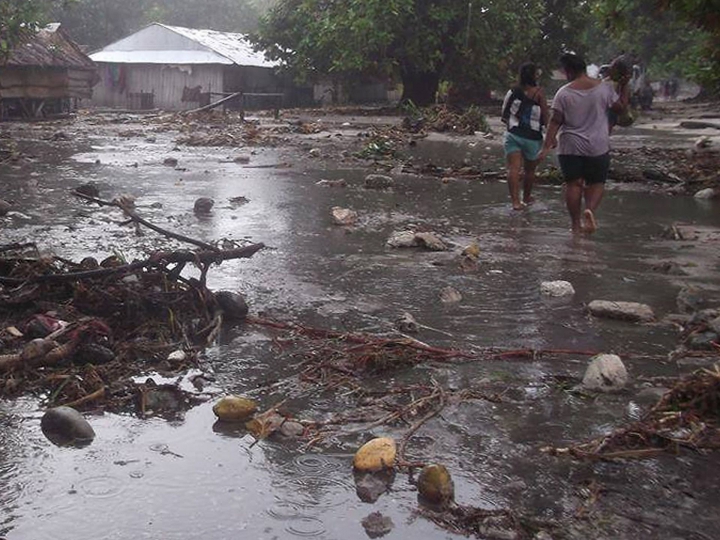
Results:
x,y
332,183
407,323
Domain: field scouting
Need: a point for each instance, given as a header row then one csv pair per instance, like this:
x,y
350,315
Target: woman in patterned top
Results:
x,y
525,112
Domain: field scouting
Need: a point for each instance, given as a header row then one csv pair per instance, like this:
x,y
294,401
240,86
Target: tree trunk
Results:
x,y
419,87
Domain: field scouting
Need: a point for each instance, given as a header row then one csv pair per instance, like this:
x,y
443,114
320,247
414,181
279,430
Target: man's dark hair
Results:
x,y
573,64
527,74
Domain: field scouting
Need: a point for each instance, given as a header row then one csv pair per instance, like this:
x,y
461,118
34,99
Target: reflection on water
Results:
x,y
194,479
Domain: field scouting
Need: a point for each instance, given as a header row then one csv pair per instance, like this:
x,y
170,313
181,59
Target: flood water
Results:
x,y
190,479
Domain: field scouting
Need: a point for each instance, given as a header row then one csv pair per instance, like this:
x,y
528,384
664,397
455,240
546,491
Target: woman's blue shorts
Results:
x,y
530,148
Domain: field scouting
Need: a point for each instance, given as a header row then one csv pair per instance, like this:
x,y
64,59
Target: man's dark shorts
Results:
x,y
594,169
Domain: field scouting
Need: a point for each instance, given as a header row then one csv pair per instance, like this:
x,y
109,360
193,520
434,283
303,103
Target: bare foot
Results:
x,y
590,225
528,200
518,206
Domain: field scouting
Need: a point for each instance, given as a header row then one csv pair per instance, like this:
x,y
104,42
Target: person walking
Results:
x,y
579,129
525,112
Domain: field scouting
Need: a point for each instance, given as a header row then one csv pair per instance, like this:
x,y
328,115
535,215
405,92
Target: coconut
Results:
x,y
435,484
234,409
376,455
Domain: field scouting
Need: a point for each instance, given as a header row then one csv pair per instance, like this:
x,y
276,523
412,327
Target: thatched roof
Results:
x,y
50,47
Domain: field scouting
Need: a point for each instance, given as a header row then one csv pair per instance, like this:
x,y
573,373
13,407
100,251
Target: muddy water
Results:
x,y
192,479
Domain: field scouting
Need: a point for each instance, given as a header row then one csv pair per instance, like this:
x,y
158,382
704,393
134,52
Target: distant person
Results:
x,y
579,127
525,113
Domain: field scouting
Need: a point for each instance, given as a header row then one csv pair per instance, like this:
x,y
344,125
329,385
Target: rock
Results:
x,y
407,323
698,124
690,299
125,201
203,205
557,288
707,193
90,189
93,353
89,263
369,486
314,152
232,304
64,425
606,373
703,341
343,216
5,207
435,485
702,142
430,241
377,525
378,181
401,239
332,183
234,409
624,311
472,251
177,356
450,295
670,268
242,159
170,162
376,455
160,399
292,429
714,325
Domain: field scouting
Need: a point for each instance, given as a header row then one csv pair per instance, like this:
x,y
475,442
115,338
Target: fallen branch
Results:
x,y
136,218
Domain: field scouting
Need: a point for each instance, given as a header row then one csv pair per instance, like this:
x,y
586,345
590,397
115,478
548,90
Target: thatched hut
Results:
x,y
46,73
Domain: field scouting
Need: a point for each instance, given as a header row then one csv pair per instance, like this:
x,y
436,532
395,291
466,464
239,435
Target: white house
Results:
x,y
176,68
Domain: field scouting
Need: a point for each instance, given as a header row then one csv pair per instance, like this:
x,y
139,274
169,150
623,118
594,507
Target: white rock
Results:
x,y
343,216
450,295
624,311
606,373
400,239
557,288
177,356
430,241
707,193
314,152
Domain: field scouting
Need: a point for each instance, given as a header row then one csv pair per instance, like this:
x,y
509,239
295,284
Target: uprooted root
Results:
x,y
688,415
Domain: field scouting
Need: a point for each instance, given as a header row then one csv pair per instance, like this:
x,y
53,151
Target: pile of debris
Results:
x,y
77,332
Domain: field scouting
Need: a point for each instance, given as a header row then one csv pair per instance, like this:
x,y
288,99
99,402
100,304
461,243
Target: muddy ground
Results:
x,y
189,477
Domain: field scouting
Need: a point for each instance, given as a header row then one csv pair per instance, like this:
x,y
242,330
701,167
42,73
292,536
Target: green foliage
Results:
x,y
20,19
674,37
420,42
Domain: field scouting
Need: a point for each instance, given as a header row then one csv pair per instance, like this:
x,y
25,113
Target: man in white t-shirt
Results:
x,y
580,130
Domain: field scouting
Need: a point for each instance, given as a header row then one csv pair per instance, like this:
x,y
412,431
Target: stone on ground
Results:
x,y
203,205
234,409
5,207
343,216
436,485
450,295
401,239
376,455
605,373
557,288
377,525
707,193
378,181
430,241
623,311
232,304
65,425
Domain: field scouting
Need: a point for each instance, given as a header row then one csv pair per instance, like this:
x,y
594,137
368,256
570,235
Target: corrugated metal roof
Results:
x,y
50,47
208,47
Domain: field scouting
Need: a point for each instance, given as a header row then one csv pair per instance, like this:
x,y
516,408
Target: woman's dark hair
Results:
x,y
573,64
528,72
